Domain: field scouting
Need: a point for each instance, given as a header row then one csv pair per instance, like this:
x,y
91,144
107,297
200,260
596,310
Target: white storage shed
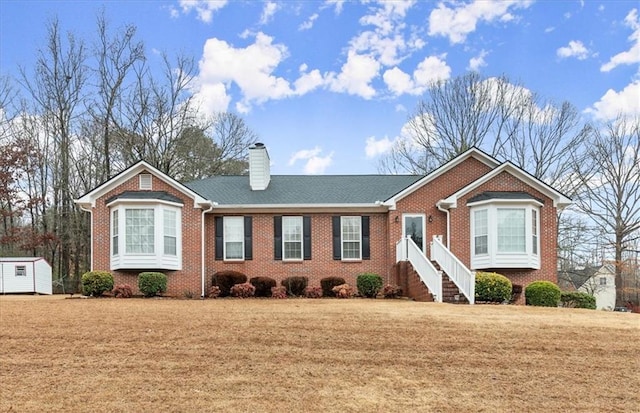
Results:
x,y
25,275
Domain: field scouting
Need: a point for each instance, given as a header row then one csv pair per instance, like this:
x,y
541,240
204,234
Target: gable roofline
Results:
x,y
88,200
469,153
559,199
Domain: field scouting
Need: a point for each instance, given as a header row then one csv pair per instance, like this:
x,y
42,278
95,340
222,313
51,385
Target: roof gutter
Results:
x,y
90,211
202,249
446,211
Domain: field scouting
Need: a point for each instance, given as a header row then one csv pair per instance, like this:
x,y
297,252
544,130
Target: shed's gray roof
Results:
x,y
303,189
20,259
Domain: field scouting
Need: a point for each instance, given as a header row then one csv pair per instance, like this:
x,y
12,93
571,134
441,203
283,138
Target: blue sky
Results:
x,y
329,85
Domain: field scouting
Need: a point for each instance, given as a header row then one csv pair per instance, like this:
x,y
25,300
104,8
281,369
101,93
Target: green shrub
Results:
x,y
313,292
122,291
492,287
369,285
295,285
227,279
542,294
263,285
391,291
576,299
328,283
152,283
96,282
244,290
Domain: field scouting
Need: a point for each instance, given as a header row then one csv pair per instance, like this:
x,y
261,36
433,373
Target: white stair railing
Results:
x,y
462,277
407,250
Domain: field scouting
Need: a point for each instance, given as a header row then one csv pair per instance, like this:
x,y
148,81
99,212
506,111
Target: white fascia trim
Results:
x,y
297,208
473,152
493,201
89,199
148,201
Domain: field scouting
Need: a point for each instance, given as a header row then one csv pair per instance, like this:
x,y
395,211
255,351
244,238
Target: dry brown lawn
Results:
x,y
230,355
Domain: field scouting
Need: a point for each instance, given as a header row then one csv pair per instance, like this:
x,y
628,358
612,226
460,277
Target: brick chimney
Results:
x,y
259,167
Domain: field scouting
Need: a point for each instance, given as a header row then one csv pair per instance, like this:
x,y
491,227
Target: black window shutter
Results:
x,y
219,233
366,245
306,236
248,239
337,254
277,237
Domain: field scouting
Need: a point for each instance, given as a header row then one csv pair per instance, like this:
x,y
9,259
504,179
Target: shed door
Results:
x,y
413,226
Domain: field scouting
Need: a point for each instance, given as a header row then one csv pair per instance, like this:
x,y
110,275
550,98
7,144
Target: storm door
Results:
x,y
413,226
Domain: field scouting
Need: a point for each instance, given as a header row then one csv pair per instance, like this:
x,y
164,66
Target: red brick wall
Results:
x,y
178,282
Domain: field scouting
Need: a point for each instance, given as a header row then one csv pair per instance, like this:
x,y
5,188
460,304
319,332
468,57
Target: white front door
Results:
x,y
413,226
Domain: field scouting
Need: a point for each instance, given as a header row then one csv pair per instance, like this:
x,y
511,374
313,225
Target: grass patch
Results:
x,y
312,356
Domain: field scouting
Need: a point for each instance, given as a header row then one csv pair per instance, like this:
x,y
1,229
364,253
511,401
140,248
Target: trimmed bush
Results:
x,y
492,287
279,292
152,283
244,290
214,291
263,285
576,299
96,282
313,292
343,291
542,294
369,285
122,291
227,279
328,283
295,285
391,291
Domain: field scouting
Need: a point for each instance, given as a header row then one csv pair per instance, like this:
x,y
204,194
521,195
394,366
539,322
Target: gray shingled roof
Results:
x,y
303,189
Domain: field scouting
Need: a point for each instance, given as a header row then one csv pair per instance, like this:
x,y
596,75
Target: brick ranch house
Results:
x,y
427,234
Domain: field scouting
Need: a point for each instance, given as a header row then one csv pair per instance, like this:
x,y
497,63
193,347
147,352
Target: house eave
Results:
x,y
300,208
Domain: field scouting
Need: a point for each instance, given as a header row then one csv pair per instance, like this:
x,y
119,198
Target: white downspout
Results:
x,y
202,249
446,211
90,211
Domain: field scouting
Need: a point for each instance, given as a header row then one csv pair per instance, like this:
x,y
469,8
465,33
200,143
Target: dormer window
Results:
x,y
145,182
505,231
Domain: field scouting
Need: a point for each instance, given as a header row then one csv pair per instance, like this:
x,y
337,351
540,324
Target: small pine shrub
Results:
x,y
313,292
328,283
214,291
343,291
369,285
279,292
122,291
96,282
492,287
244,290
227,279
576,299
152,283
263,285
295,285
391,291
542,294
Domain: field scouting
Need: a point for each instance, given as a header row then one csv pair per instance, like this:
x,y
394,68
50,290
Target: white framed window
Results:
x,y
505,234
292,245
114,232
146,235
233,238
351,235
139,231
603,280
145,182
21,270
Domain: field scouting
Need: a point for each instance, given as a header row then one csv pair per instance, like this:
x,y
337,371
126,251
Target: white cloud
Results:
x,y
574,49
308,81
375,147
400,108
456,23
431,69
250,68
475,63
315,164
356,76
632,55
337,3
268,12
212,98
203,8
613,104
309,23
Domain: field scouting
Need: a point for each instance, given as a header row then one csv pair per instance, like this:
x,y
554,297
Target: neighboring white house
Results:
x,y
25,275
602,285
